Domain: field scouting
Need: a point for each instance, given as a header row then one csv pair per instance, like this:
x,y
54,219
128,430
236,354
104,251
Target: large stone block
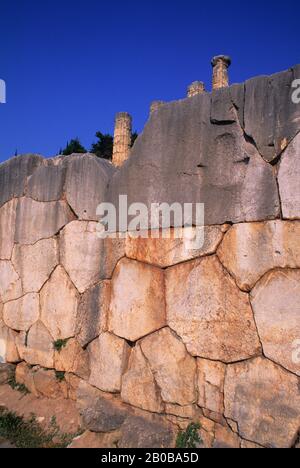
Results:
x,y
10,282
73,359
139,388
183,157
264,400
7,229
150,431
8,348
21,314
36,220
137,301
47,182
37,346
35,263
59,304
173,368
276,305
211,315
108,361
288,180
86,184
248,251
93,313
14,174
165,252
47,384
211,377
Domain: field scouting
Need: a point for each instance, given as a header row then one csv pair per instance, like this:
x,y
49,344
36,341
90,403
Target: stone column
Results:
x,y
122,138
197,87
220,64
155,106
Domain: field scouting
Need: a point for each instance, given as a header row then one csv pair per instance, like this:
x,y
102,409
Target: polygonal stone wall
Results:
x,y
149,334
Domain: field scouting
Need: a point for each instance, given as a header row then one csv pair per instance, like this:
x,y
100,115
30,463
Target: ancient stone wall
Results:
x,y
146,334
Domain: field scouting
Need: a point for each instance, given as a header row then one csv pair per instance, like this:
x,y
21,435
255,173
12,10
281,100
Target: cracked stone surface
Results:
x,y
216,322
211,377
21,314
276,304
36,220
7,229
108,360
139,388
173,368
264,400
72,359
59,304
37,347
8,349
288,180
250,250
137,300
35,263
167,252
47,182
10,282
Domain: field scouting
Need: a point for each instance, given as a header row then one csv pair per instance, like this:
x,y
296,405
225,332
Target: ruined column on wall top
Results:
x,y
122,138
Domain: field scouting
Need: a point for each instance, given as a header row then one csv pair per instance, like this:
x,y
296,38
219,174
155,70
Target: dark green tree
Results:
x,y
74,146
103,148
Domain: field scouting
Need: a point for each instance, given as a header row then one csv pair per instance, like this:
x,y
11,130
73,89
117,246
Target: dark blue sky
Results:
x,y
71,65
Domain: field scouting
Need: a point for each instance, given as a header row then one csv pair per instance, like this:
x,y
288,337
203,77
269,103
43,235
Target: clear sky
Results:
x,y
70,65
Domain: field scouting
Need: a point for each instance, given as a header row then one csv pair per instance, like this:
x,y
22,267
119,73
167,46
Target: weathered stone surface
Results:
x,y
21,314
59,303
24,376
92,440
146,432
173,368
47,182
183,157
47,384
222,108
84,266
37,347
138,384
249,445
248,251
211,377
137,302
99,412
35,263
73,383
167,252
10,282
7,371
264,400
86,184
288,179
8,348
7,229
108,360
93,313
14,174
36,220
271,117
210,314
225,438
276,305
73,359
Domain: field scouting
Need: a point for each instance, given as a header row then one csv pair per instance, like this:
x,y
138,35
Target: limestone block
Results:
x,y
36,347
14,174
250,250
163,252
21,314
93,313
35,263
276,305
108,360
211,376
24,376
8,348
10,282
7,229
36,220
137,301
86,184
47,384
59,304
47,182
150,431
72,359
288,179
264,400
225,438
211,315
139,388
173,368
73,383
